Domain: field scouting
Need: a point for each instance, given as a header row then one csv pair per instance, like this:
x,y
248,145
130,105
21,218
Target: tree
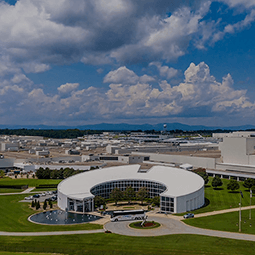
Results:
x,y
129,193
98,200
248,183
253,189
50,203
116,195
202,173
156,201
216,182
33,203
233,185
39,173
45,205
142,194
2,173
37,206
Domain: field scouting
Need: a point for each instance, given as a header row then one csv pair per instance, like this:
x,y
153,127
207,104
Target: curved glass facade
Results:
x,y
104,189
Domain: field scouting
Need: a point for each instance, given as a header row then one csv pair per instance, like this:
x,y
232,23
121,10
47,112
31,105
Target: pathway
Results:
x,y
55,233
28,190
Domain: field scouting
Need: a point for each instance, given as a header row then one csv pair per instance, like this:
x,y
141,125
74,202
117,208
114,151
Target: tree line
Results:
x,y
234,184
56,174
49,133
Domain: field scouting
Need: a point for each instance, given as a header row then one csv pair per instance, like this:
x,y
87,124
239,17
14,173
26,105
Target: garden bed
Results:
x,y
146,225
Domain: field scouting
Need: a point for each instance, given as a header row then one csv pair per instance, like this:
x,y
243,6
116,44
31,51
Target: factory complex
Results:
x,y
109,160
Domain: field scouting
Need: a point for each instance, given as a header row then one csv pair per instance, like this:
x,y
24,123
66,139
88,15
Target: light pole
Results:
x,y
250,203
240,215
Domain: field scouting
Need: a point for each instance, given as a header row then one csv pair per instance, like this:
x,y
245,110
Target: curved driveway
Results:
x,y
171,226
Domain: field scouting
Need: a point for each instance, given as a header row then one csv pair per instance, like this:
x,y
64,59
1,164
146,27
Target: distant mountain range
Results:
x,y
126,127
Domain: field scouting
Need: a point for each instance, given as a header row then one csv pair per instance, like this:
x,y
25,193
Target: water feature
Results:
x,y
59,217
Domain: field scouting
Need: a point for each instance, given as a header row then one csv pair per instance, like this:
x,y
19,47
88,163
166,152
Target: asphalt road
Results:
x,y
170,226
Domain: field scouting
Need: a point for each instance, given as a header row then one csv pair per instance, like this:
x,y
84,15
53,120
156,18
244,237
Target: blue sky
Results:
x,y
78,62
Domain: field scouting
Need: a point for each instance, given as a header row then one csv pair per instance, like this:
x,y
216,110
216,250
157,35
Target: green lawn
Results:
x,y
13,217
226,222
26,253
221,198
29,182
10,190
116,244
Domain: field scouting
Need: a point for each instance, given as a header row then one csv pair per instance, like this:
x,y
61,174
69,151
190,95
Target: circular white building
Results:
x,y
179,190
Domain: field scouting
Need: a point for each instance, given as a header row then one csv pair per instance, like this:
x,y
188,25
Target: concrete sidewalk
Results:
x,y
53,233
28,190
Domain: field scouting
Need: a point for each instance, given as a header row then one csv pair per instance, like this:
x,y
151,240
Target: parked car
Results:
x,y
36,196
43,194
188,215
54,198
29,198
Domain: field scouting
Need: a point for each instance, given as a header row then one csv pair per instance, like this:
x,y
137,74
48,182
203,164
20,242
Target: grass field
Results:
x,y
221,198
29,182
26,253
226,222
13,218
10,190
116,244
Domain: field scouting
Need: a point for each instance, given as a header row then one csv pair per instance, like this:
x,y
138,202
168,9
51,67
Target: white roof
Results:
x,y
179,182
186,166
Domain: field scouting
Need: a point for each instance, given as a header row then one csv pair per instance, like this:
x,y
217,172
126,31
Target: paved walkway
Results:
x,y
224,211
28,190
156,214
171,226
56,233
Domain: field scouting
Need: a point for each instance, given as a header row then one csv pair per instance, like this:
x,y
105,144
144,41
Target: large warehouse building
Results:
x,y
179,190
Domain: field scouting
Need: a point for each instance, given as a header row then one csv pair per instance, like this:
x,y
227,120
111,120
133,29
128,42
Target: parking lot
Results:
x,y
41,198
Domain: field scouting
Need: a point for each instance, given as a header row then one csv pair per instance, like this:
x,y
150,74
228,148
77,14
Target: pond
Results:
x,y
59,217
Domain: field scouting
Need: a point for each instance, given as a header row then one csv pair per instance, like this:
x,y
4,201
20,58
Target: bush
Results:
x,y
216,182
233,185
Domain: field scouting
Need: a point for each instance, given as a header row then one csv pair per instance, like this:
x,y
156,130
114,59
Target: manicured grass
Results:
x,y
226,222
116,244
29,182
221,198
137,225
13,218
26,253
10,190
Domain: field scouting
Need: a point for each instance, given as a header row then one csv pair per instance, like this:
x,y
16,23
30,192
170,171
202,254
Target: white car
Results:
x,y
188,215
29,198
43,194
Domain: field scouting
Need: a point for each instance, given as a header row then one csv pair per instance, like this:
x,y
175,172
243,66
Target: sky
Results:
x,y
78,62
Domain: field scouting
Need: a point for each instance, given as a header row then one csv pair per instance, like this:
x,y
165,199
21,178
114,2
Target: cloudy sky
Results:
x,y
77,62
